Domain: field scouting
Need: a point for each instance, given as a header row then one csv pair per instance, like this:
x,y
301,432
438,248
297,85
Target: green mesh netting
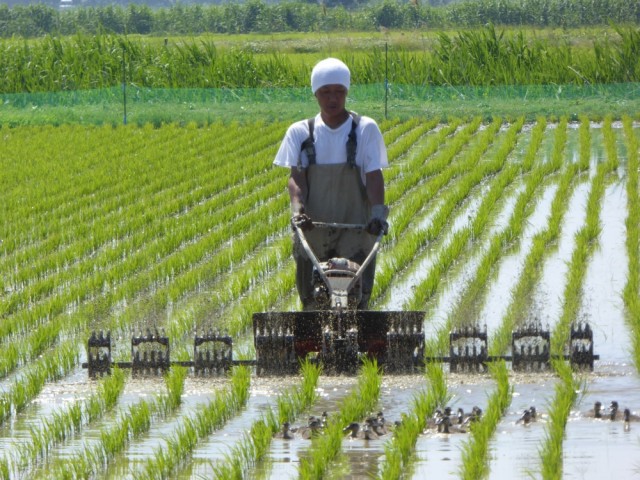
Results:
x,y
143,105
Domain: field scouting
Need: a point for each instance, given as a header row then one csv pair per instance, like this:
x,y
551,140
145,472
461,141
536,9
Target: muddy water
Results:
x,y
594,448
438,454
284,455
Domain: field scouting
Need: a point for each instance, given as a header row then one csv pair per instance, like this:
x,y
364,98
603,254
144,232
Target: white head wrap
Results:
x,y
330,71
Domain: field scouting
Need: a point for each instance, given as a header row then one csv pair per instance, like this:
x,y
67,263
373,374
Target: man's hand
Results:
x,y
378,223
302,221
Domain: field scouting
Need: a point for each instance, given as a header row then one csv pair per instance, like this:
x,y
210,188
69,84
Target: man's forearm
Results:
x,y
297,190
375,187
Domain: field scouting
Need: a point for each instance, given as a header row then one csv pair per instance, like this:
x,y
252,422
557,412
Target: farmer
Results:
x,y
335,161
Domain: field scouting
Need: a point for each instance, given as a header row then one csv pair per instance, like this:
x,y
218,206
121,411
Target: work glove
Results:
x,y
302,221
378,221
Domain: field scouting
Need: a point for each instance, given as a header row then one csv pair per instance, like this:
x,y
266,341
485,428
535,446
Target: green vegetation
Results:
x,y
333,15
631,294
487,72
168,231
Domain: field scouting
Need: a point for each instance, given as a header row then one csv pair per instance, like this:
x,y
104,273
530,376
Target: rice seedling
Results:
x,y
53,365
398,451
362,400
566,390
191,429
255,444
632,287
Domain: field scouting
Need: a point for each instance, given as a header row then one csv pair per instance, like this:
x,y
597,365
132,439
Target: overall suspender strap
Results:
x,y
309,146
352,142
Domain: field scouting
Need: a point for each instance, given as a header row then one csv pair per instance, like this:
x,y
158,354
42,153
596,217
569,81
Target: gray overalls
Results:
x,y
336,194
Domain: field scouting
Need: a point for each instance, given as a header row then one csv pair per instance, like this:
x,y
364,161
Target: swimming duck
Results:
x,y
613,410
312,428
286,432
465,419
378,424
446,425
525,419
355,431
596,412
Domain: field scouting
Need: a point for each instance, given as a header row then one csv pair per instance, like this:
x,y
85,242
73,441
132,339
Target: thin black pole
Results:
x,y
124,84
386,78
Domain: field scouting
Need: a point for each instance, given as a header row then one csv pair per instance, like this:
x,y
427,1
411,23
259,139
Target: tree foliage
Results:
x,y
257,16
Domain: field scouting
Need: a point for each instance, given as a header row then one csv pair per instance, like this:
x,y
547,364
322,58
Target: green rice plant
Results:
x,y
193,428
569,385
399,449
632,222
51,366
475,451
355,406
254,445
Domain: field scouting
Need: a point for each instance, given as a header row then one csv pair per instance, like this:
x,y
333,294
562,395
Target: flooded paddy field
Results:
x,y
31,445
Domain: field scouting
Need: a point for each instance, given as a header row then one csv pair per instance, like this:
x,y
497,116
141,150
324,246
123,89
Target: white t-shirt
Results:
x,y
331,145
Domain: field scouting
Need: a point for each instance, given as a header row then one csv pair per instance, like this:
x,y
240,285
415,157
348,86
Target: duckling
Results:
x,y
368,433
525,419
474,416
311,429
324,418
377,424
435,419
534,413
355,431
596,412
613,410
447,426
630,417
465,419
627,415
286,432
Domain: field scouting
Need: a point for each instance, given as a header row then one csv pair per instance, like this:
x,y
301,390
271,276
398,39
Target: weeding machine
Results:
x,y
337,333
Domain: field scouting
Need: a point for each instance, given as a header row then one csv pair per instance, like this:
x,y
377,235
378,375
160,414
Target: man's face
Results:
x,y
332,99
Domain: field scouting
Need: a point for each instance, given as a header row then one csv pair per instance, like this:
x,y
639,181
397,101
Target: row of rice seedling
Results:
x,y
404,251
471,301
168,215
132,422
255,444
586,238
27,385
455,196
191,429
63,424
631,293
474,462
475,451
48,327
130,214
72,266
398,459
354,407
404,247
398,451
